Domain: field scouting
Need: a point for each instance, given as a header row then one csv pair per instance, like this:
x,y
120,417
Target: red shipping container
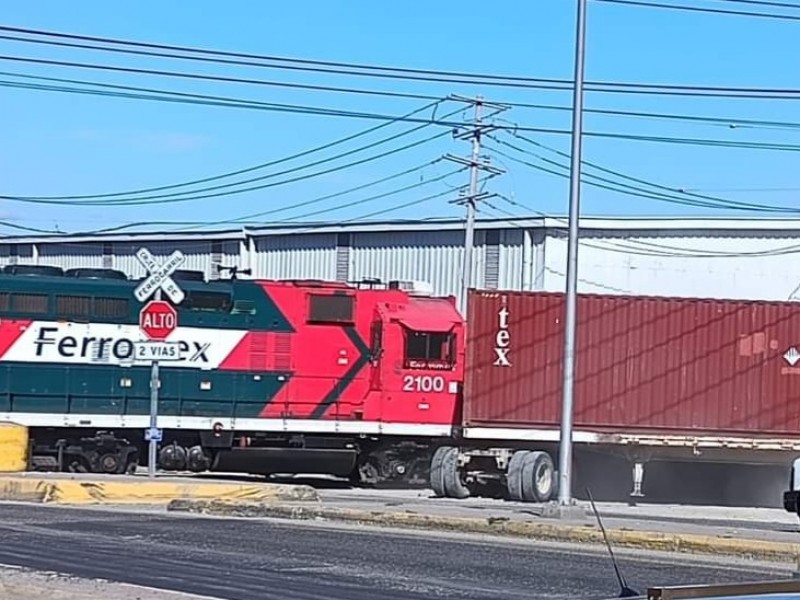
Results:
x,y
644,364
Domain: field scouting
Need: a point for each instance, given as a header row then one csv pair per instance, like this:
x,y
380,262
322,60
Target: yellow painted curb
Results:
x,y
650,540
88,491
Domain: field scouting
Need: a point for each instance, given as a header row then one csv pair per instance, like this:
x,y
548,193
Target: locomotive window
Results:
x,y
429,350
111,308
74,306
336,308
30,303
207,301
5,302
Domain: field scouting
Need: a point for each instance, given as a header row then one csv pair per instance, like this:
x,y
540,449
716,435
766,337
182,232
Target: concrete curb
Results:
x,y
144,492
650,540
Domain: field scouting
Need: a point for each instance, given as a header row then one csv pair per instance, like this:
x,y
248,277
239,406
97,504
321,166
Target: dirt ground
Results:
x,y
19,584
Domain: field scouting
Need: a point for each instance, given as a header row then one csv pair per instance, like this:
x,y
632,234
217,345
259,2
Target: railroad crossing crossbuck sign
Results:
x,y
157,320
159,277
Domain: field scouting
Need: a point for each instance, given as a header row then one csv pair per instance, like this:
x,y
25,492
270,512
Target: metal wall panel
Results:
x,y
645,364
13,254
300,256
343,257
744,264
704,264
432,256
71,256
512,260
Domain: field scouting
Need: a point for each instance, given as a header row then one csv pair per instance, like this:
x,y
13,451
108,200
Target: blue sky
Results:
x,y
65,144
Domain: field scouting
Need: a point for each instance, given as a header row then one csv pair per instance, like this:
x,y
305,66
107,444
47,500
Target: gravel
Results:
x,y
22,584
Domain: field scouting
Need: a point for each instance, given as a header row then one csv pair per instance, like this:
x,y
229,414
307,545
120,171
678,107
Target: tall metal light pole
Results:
x,y
565,445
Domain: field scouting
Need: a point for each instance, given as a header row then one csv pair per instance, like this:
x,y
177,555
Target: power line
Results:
x,y
531,83
381,212
427,75
318,87
218,78
161,199
260,166
699,9
553,131
771,3
314,227
380,196
25,228
638,191
721,121
724,202
252,216
279,209
758,190
641,192
233,102
408,73
716,143
607,184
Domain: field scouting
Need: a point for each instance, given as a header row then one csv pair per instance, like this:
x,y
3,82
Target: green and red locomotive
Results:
x,y
274,376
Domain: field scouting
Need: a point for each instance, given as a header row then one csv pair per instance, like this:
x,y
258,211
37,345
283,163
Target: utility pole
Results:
x,y
475,164
469,230
570,329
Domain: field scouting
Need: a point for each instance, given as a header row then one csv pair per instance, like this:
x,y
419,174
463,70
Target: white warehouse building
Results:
x,y
689,257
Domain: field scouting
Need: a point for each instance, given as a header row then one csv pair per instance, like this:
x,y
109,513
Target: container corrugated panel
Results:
x,y
643,363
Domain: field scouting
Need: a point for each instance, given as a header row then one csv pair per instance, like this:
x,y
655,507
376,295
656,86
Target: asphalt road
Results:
x,y
248,560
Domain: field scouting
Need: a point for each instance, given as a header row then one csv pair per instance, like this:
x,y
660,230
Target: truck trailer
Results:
x,y
670,380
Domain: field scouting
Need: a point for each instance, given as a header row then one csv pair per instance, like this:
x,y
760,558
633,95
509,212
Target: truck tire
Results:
x,y
437,471
514,475
453,486
538,477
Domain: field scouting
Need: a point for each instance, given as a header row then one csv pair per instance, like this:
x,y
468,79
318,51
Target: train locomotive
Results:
x,y
275,377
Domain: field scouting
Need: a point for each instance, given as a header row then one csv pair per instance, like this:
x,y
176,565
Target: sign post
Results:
x,y
157,320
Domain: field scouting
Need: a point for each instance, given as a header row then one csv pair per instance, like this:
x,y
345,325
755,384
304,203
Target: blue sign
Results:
x,y
153,434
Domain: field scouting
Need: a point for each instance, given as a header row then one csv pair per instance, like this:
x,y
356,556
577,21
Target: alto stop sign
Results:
x,y
158,319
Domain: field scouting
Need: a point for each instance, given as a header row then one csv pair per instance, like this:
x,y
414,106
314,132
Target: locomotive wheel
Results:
x,y
514,475
437,471
108,463
453,486
538,477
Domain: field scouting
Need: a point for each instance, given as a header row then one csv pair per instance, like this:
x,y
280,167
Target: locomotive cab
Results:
x,y
418,356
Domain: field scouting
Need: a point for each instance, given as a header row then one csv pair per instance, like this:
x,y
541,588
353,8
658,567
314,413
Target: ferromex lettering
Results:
x,y
50,341
112,344
502,340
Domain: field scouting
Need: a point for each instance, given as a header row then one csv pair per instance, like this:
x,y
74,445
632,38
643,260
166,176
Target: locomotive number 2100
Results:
x,y
423,383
